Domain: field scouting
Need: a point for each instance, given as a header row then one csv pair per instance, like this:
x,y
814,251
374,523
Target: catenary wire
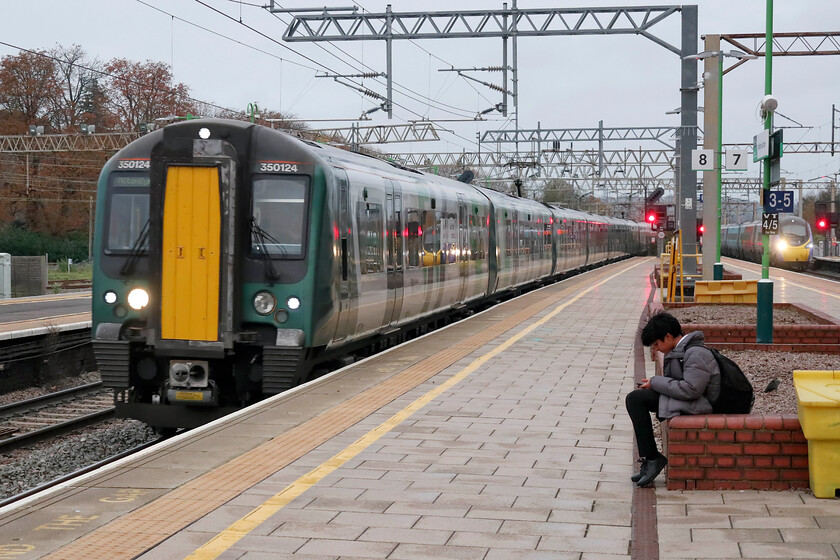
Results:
x,y
303,55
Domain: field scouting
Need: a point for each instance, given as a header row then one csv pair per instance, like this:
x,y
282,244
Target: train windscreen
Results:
x,y
128,211
795,232
279,214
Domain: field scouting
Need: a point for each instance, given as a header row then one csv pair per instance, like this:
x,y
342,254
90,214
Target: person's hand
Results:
x,y
644,384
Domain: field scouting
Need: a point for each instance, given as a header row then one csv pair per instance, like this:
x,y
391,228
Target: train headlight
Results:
x,y
110,297
809,246
781,245
138,298
293,303
264,303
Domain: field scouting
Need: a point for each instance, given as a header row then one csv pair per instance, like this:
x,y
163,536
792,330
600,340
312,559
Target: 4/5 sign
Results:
x,y
769,224
778,202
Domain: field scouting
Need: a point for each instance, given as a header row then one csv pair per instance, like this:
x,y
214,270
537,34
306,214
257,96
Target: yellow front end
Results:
x,y
189,307
796,254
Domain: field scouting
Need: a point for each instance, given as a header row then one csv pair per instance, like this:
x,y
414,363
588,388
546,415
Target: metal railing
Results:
x,y
673,258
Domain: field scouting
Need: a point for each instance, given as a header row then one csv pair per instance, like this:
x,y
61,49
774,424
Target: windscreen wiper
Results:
x,y
136,251
259,235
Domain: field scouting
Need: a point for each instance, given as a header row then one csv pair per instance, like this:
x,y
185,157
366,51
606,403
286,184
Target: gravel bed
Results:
x,y
39,463
51,387
22,469
736,315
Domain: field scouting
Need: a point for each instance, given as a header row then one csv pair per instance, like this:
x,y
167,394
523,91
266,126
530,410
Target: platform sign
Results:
x,y
769,224
702,160
778,202
761,145
736,160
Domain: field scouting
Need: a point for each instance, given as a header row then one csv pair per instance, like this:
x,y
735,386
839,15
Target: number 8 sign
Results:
x,y
702,160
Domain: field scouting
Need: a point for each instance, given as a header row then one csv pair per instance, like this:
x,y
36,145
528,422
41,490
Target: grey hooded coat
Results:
x,y
690,380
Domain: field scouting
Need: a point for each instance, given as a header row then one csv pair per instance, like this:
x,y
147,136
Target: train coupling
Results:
x,y
189,383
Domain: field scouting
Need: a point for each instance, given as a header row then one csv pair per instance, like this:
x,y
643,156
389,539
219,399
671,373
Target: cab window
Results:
x,y
128,211
279,214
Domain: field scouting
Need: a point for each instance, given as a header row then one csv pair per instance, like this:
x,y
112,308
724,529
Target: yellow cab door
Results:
x,y
189,307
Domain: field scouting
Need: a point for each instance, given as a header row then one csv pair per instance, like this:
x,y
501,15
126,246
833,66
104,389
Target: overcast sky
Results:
x,y
563,81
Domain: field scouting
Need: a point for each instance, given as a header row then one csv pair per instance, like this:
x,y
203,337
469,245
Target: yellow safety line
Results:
x,y
239,529
791,282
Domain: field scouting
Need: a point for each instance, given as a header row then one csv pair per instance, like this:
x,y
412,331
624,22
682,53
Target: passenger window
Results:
x,y
431,238
413,237
369,216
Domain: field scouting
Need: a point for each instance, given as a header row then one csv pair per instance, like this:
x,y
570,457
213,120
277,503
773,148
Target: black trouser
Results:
x,y
640,403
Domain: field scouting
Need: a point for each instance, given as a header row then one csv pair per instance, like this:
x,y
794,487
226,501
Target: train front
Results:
x,y
200,290
793,245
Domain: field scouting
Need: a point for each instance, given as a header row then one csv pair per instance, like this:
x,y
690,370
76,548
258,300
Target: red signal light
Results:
x,y
651,218
702,229
822,224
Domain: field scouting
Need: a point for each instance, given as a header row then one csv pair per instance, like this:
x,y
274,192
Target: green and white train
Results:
x,y
232,259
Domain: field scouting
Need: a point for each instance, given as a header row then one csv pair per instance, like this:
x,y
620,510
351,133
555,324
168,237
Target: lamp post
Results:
x,y
714,229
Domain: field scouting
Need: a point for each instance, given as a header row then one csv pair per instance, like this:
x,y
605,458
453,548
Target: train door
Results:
x,y
463,248
189,306
344,246
394,229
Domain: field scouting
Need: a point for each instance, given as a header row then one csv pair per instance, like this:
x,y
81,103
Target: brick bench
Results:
x,y
735,452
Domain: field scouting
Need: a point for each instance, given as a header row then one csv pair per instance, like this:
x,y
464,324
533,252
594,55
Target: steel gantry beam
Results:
x,y
600,134
785,44
380,134
618,164
532,22
99,142
507,23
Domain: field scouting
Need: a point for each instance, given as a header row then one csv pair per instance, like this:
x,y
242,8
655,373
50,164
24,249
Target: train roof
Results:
x,y
333,154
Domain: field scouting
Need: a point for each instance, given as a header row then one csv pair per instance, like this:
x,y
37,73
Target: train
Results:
x,y
792,247
232,261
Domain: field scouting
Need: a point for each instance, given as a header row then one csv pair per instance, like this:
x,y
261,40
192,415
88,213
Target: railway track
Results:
x,y
48,416
53,285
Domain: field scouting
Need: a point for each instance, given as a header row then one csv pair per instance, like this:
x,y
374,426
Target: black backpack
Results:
x,y
736,392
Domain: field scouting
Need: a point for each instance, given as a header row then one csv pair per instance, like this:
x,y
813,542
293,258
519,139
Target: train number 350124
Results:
x,y
277,167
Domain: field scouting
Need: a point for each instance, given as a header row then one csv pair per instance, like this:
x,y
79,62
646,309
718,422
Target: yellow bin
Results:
x,y
818,393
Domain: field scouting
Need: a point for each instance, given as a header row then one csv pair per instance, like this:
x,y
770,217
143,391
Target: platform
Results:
x,y
502,436
39,315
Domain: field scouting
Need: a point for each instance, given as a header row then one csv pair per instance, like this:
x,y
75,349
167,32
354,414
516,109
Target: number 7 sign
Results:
x,y
736,160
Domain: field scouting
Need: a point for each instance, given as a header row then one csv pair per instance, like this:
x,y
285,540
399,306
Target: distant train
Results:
x,y
232,258
792,247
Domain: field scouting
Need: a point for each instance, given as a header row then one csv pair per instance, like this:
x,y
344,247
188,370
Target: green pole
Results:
x,y
764,318
718,267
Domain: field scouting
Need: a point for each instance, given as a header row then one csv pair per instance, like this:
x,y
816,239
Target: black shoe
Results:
x,y
638,475
651,469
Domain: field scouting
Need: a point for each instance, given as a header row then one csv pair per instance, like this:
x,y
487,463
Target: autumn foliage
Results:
x,y
61,89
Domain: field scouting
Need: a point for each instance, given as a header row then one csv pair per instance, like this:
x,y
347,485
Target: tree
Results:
x,y
28,87
560,192
79,98
140,92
